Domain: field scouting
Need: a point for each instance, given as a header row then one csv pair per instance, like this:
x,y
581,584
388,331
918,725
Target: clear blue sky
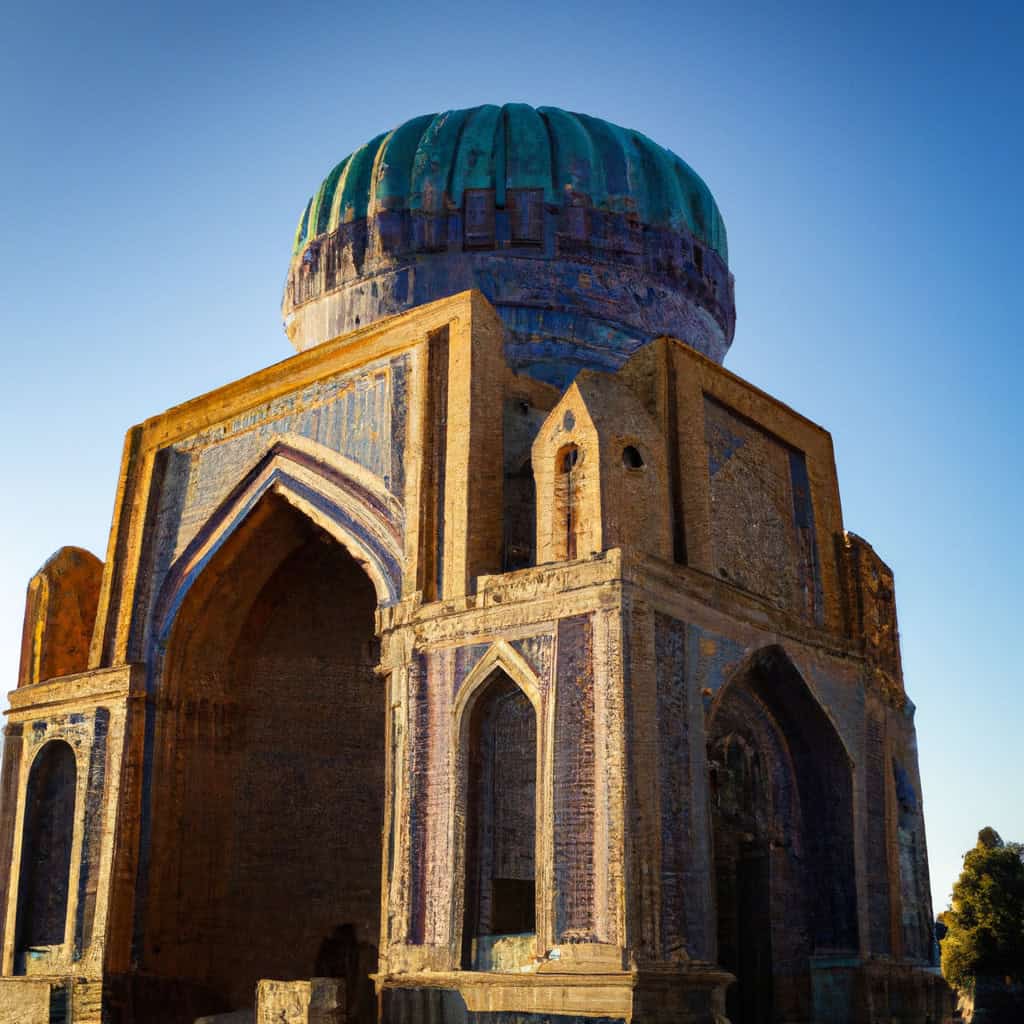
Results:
x,y
867,160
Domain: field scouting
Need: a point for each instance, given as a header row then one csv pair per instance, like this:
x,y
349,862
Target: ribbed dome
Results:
x,y
589,240
427,163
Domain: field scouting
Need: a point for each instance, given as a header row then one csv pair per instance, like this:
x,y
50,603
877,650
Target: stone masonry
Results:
x,y
420,686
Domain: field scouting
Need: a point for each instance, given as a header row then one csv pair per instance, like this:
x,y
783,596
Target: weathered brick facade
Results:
x,y
534,704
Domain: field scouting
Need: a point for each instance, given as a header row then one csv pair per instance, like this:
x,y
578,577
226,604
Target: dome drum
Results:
x,y
612,289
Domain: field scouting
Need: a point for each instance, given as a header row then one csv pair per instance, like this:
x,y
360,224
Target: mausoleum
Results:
x,y
498,658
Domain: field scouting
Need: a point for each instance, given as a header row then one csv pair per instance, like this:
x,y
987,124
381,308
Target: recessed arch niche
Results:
x,y
498,786
781,791
268,779
47,840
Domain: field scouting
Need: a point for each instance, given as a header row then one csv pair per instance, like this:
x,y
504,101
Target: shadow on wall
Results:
x,y
343,955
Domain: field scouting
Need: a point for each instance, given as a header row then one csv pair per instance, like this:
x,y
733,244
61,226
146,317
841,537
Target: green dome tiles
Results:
x,y
392,171
432,164
527,151
474,163
575,167
427,163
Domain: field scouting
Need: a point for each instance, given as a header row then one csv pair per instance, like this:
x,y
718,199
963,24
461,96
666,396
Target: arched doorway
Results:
x,y
782,814
268,782
499,920
46,850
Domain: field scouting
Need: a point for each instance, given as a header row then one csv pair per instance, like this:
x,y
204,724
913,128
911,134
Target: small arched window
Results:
x,y
46,847
631,457
567,501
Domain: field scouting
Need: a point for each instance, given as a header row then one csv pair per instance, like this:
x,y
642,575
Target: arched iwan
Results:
x,y
781,791
265,787
337,494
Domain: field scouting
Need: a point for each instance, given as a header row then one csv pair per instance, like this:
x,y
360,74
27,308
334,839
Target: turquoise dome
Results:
x,y
588,239
427,163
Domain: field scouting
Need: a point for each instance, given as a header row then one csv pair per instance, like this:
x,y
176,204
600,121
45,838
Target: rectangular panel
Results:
x,y
419,778
88,878
673,778
435,456
574,781
879,911
762,519
479,218
526,215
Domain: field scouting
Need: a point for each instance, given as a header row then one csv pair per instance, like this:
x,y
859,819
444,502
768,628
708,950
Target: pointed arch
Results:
x,y
44,885
271,710
781,793
336,493
773,662
503,674
501,656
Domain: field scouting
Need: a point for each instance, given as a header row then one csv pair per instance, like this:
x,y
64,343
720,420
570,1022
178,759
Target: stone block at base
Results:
x,y
53,1000
24,1001
851,990
693,994
317,1001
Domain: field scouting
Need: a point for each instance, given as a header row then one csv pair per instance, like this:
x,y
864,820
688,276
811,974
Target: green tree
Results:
x,y
985,925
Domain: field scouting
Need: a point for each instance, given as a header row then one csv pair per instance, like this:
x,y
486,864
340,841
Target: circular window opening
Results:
x,y
631,458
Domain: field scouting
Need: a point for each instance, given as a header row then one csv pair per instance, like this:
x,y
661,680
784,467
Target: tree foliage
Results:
x,y
985,925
